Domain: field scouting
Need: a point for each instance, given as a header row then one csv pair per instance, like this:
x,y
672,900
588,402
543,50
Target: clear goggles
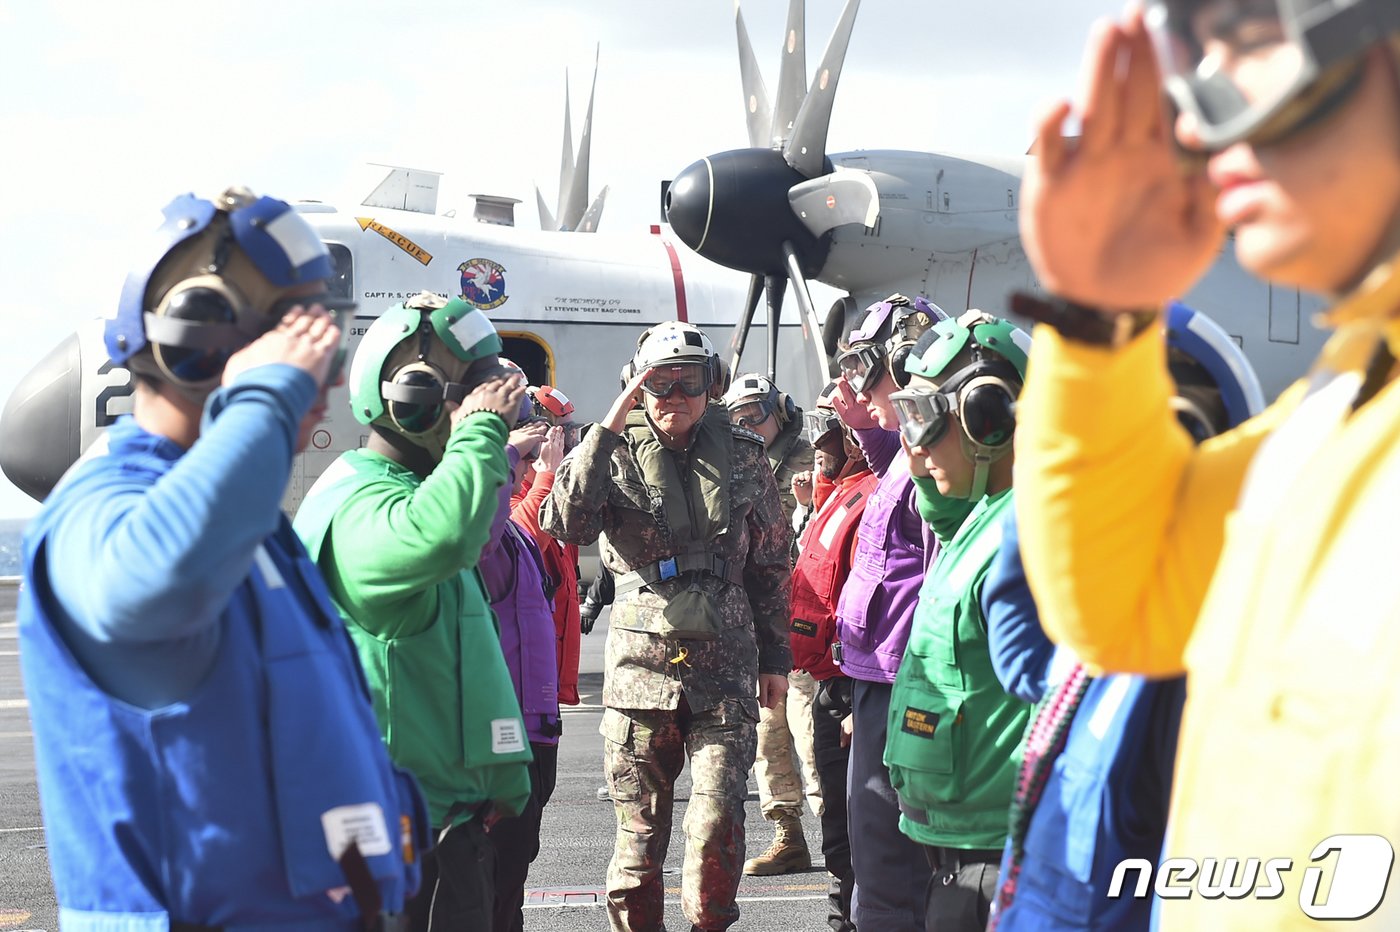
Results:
x,y
817,424
749,413
692,378
863,366
923,416
1249,69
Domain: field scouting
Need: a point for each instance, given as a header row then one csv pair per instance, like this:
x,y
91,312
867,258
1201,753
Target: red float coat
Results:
x,y
823,563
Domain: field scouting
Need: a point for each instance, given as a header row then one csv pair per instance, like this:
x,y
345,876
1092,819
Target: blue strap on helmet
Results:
x,y
125,334
1201,338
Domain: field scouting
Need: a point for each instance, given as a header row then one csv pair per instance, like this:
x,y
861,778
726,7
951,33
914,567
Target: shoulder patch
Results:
x,y
745,434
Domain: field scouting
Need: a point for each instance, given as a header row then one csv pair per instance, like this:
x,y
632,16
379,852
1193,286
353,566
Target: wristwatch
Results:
x,y
1084,324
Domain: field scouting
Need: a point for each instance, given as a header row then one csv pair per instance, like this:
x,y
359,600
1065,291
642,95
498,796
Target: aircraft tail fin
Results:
x,y
406,189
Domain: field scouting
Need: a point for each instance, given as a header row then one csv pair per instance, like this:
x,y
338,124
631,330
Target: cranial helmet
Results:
x,y
822,419
1216,387
674,343
221,273
1261,69
752,399
884,339
416,357
972,367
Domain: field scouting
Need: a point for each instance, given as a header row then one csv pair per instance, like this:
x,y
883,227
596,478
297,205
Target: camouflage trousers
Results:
x,y
643,754
779,730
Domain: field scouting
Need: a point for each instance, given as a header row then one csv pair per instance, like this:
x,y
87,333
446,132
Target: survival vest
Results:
x,y
822,567
953,731
222,808
453,718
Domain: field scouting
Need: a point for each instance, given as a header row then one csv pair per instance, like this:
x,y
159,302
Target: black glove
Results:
x,y
588,614
834,697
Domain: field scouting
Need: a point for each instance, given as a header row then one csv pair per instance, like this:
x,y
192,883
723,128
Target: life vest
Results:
x,y
202,810
514,575
695,505
444,699
821,570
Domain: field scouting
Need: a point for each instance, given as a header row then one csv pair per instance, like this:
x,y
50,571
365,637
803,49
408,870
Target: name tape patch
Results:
x,y
920,723
507,737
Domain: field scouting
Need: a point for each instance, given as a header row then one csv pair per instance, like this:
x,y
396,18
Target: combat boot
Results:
x,y
788,853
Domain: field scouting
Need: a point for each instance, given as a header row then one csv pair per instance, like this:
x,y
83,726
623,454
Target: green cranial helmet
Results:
x,y
414,358
975,331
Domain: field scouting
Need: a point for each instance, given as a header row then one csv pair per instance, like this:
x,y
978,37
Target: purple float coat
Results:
x,y
513,573
895,548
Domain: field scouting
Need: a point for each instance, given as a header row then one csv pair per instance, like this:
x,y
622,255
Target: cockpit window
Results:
x,y
342,283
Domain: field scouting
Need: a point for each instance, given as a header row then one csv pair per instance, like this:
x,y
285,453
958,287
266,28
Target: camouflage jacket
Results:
x,y
789,454
599,490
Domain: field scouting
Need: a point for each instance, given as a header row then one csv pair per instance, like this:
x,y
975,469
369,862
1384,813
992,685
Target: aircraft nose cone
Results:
x,y
689,202
39,434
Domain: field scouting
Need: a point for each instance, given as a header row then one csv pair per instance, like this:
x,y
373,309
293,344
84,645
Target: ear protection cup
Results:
x,y
787,408
986,412
413,397
174,329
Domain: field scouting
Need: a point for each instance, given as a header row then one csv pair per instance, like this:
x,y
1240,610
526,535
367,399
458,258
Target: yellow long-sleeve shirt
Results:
x,y
1264,563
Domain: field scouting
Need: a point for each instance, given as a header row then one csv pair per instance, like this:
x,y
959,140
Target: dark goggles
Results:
x,y
692,378
923,416
572,434
863,366
817,424
749,413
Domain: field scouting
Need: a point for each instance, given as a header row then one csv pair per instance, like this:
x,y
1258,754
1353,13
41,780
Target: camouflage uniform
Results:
x,y
668,698
779,785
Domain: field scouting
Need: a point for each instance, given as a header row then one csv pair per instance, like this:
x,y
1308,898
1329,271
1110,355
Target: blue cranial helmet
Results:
x,y
215,279
1202,341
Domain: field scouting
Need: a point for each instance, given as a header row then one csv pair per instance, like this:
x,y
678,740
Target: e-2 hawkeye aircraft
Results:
x,y
569,307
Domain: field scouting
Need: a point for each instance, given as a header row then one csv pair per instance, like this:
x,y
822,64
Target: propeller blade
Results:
x,y
775,285
792,79
756,110
566,161
546,218
572,213
806,148
811,327
741,332
589,223
829,201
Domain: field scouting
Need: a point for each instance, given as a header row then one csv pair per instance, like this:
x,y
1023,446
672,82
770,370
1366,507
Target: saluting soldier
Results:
x,y
691,525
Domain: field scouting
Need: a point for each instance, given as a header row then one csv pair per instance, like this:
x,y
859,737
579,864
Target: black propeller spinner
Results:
x,y
767,209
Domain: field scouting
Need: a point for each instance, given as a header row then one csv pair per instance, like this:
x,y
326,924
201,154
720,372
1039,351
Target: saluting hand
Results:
x,y
630,397
500,395
551,451
1113,220
851,412
305,337
527,439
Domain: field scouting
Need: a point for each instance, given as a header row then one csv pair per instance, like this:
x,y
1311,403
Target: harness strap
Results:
x,y
675,566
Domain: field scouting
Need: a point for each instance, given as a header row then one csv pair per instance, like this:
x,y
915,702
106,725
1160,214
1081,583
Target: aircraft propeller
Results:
x,y
573,175
766,209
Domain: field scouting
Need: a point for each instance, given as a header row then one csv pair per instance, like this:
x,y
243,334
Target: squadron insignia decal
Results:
x,y
483,283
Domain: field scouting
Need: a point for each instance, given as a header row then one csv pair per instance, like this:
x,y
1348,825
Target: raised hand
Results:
x,y
305,337
802,488
527,439
1115,220
499,395
551,451
851,412
629,398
